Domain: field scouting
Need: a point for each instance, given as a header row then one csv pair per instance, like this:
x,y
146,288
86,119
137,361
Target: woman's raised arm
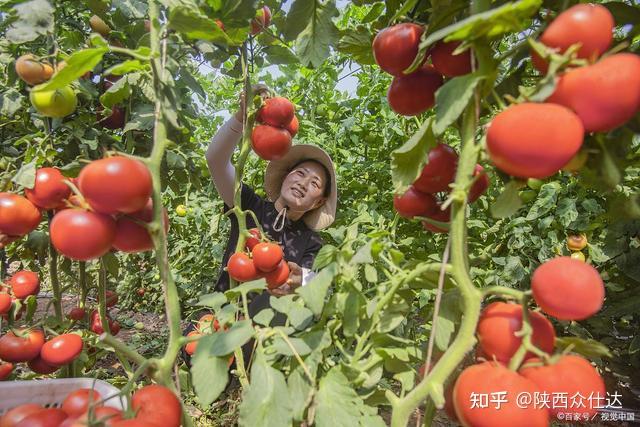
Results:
x,y
219,158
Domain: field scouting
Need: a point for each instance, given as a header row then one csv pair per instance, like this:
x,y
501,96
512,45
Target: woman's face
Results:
x,y
303,188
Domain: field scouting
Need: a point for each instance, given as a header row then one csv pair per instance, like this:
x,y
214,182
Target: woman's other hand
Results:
x,y
294,281
257,89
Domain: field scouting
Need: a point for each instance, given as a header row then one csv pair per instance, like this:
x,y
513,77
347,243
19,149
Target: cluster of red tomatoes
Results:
x,y
395,49
436,177
21,285
277,125
42,357
535,140
206,325
564,288
153,405
113,202
266,261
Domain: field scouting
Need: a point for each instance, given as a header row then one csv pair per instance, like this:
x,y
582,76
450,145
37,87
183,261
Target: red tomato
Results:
x,y
491,377
438,215
5,370
115,119
103,416
395,48
49,190
267,256
220,24
277,111
208,324
571,375
115,327
241,267
269,142
25,283
5,302
414,93
279,276
414,203
78,401
440,170
252,241
133,237
116,184
591,25
157,404
520,149
61,350
82,235
447,63
293,126
39,366
77,313
49,417
261,21
135,423
497,328
18,216
604,95
567,289
21,348
190,348
141,292
111,298
12,417
480,185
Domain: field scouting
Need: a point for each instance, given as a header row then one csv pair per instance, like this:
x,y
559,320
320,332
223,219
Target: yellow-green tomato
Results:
x,y
181,210
54,103
578,255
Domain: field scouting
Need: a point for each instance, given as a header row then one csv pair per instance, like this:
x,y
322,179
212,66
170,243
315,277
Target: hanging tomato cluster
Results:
x,y
592,98
566,289
277,125
266,261
395,49
436,177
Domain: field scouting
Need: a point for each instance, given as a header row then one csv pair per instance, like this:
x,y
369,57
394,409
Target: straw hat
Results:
x,y
277,170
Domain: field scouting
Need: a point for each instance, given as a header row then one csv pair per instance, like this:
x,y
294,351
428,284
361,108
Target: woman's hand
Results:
x,y
257,89
294,281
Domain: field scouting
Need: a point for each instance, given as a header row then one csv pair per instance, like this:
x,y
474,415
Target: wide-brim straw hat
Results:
x,y
277,170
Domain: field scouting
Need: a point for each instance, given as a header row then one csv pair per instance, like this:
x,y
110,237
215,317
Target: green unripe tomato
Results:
x,y
578,255
535,184
181,210
54,103
528,195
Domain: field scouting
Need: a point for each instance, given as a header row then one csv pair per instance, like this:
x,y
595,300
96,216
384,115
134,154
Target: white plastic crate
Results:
x,y
51,392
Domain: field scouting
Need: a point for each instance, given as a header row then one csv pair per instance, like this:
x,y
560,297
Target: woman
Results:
x,y
301,199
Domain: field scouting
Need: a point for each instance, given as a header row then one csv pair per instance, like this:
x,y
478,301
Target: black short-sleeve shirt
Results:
x,y
299,242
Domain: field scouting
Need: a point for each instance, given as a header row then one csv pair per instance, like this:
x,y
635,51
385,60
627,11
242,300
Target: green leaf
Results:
x,y
26,175
452,98
209,374
111,263
281,346
223,343
264,317
393,314
315,292
357,44
508,202
265,402
192,23
363,256
118,92
245,288
10,102
278,54
33,19
301,389
338,405
298,18
214,300
407,161
325,256
78,63
586,347
127,67
312,44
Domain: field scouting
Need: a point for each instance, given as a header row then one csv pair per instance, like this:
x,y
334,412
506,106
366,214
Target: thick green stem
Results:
x,y
102,297
432,384
53,273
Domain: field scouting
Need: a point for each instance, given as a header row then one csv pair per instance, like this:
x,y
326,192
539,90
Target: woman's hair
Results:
x,y
327,184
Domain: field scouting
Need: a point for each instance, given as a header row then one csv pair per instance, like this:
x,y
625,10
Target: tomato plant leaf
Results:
x,y
408,160
77,64
587,347
31,19
265,402
314,293
214,300
209,373
298,18
189,21
312,44
10,102
264,317
245,288
223,343
301,389
452,98
278,54
508,202
26,175
338,405
127,67
357,44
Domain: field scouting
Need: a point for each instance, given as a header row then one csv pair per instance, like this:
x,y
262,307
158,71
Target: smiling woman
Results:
x,y
301,198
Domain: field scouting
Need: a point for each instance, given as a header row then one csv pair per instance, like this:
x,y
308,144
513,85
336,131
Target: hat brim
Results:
x,y
277,170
